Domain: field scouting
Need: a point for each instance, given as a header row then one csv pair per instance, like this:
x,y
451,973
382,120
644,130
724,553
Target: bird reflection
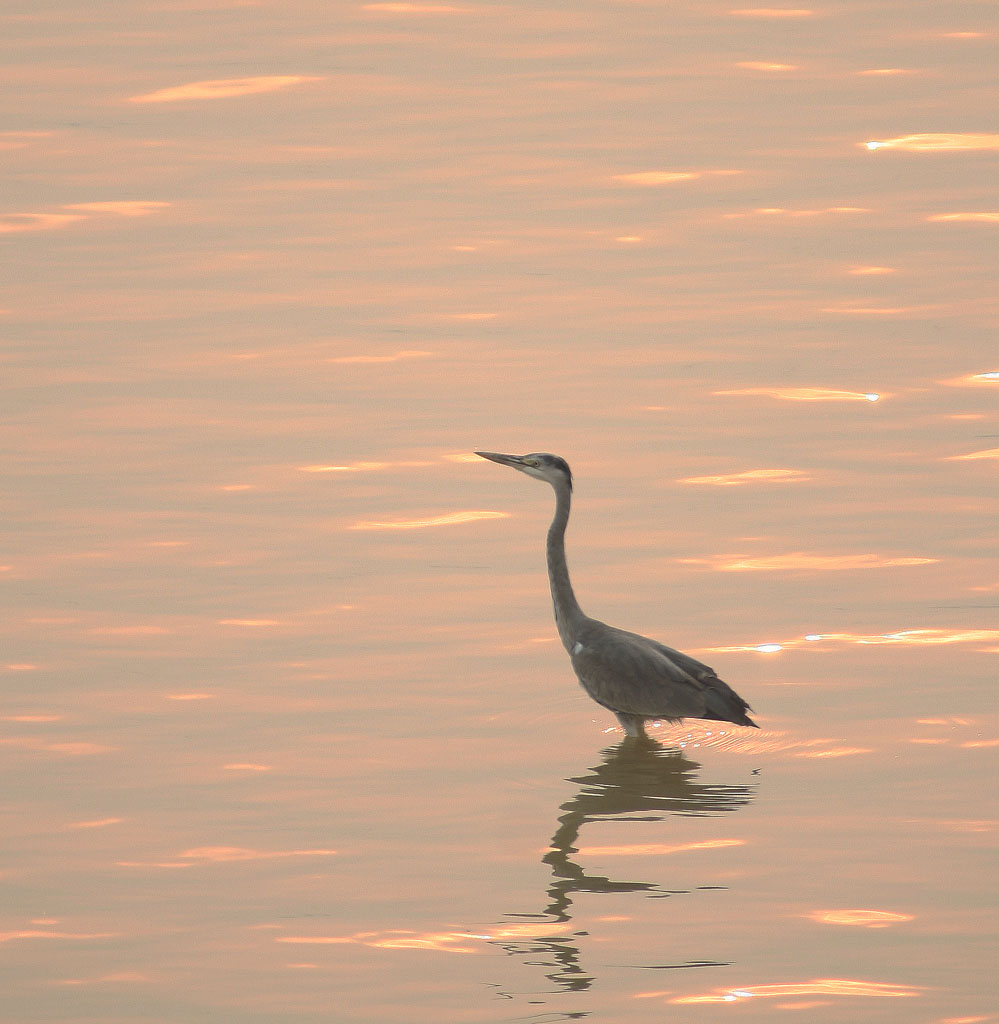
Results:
x,y
637,780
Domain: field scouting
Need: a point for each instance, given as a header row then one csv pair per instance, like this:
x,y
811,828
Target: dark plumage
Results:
x,y
636,678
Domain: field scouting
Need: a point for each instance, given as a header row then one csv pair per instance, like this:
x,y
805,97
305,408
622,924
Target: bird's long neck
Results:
x,y
568,614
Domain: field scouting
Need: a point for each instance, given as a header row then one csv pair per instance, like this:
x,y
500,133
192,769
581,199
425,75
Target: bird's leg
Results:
x,y
632,724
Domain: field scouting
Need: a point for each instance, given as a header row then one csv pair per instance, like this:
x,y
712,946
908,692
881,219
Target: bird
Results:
x,y
638,679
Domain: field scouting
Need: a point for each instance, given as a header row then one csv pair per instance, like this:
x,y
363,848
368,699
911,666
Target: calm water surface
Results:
x,y
286,731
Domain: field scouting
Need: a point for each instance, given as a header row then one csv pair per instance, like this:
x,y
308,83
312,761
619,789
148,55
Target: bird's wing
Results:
x,y
690,665
631,674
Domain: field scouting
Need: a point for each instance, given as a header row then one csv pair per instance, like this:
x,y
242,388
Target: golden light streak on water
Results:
x,y
122,207
819,986
528,930
886,71
410,8
772,12
871,271
72,748
247,767
875,310
800,560
836,752
190,696
974,379
807,394
364,467
14,223
114,977
658,849
21,666
160,864
31,718
928,637
982,217
860,918
938,142
444,942
97,823
249,623
34,933
763,65
229,854
933,636
781,211
144,630
394,357
988,453
21,140
451,519
656,177
223,88
749,476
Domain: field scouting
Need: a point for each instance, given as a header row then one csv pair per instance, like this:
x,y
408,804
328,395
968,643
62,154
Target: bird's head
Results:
x,y
540,465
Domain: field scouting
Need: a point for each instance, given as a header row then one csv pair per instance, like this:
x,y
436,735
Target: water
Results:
x,y
287,734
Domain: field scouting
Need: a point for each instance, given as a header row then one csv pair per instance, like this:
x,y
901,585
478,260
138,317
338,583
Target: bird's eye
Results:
x,y
533,463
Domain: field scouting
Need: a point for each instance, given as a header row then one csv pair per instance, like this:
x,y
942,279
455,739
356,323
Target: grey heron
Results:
x,y
637,678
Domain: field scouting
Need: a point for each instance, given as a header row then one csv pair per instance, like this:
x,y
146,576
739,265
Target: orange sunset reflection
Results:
x,y
38,933
658,849
806,394
974,380
780,211
365,467
860,918
800,560
451,519
987,453
656,177
764,65
411,8
223,88
772,12
14,223
122,207
68,748
393,357
201,855
749,476
396,938
816,987
831,752
913,637
938,142
969,216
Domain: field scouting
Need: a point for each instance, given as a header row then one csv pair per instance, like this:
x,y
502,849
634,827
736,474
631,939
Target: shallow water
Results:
x,y
286,730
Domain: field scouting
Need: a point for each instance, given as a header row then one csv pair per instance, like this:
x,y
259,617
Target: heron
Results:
x,y
638,679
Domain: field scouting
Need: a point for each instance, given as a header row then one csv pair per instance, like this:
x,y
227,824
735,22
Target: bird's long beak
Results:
x,y
517,461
